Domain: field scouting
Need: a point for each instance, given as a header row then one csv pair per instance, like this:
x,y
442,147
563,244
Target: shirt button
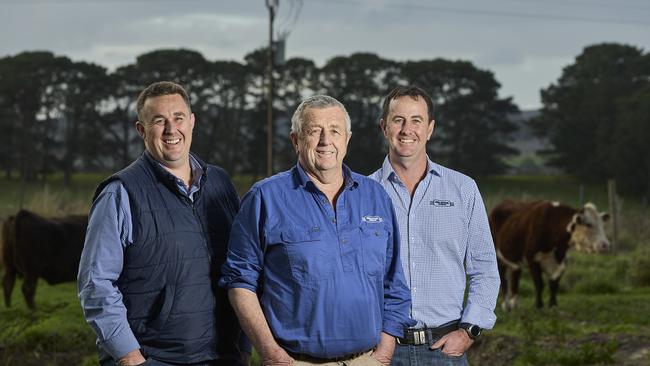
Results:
x,y
413,264
414,289
344,241
324,200
334,221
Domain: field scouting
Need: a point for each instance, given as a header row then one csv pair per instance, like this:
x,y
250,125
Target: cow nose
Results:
x,y
604,246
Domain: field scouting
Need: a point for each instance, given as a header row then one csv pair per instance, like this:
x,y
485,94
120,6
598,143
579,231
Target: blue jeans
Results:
x,y
152,362
422,355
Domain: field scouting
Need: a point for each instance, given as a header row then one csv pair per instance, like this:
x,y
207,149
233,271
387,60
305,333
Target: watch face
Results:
x,y
472,330
475,330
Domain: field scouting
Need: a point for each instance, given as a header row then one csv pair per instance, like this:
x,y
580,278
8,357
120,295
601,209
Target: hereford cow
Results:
x,y
37,247
538,234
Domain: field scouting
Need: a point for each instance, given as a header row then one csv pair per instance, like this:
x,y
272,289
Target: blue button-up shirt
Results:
x,y
445,238
109,233
329,281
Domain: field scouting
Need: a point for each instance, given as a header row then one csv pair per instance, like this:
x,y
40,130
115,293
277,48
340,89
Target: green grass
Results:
x,y
54,334
604,300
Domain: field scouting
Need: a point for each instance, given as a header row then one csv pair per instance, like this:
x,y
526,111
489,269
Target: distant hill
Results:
x,y
529,161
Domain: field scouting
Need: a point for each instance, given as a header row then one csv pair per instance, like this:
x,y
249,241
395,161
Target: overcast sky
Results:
x,y
526,43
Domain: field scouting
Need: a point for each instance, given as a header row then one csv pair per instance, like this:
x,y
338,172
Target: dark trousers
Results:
x,y
153,362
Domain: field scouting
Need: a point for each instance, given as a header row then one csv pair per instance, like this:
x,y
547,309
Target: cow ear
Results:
x,y
573,223
571,227
579,219
605,216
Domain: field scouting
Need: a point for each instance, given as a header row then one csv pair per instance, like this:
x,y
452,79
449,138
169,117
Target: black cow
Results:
x,y
34,247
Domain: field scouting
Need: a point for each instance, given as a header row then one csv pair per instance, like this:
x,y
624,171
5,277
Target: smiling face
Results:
x,y
323,141
166,127
407,128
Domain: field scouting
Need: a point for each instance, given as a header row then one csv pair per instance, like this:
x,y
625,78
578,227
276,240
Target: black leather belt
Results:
x,y
311,359
419,336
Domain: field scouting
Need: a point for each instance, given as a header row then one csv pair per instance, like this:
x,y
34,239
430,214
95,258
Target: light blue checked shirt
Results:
x,y
445,239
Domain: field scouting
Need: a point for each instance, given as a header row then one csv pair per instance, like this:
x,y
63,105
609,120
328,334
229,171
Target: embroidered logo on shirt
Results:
x,y
442,203
372,219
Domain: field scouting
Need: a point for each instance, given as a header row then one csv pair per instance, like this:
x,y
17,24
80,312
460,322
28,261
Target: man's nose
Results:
x,y
169,126
324,138
406,127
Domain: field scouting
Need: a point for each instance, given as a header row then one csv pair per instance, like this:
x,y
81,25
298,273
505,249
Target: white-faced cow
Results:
x,y
37,247
538,235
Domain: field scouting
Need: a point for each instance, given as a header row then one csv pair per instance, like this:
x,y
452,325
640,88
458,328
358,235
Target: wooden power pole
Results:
x,y
271,5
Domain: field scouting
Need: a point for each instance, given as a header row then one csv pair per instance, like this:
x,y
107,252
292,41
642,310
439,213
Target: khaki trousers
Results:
x,y
363,359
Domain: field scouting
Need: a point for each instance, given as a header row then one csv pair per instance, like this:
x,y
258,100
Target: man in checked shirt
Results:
x,y
445,238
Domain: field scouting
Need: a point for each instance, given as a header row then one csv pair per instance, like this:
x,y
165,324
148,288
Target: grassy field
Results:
x,y
603,315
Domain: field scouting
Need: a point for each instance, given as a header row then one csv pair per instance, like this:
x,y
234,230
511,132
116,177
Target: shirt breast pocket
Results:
x,y
374,239
311,258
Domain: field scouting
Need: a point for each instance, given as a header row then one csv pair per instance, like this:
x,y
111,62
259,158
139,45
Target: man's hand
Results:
x,y
253,323
454,343
384,351
276,357
132,358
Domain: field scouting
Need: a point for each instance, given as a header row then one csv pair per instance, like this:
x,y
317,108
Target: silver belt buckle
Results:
x,y
419,337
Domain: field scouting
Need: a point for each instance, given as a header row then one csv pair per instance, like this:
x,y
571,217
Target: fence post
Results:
x,y
613,210
581,195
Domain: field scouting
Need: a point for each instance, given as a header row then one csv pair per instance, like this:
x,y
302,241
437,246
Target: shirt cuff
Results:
x,y
476,314
121,344
244,344
244,285
393,328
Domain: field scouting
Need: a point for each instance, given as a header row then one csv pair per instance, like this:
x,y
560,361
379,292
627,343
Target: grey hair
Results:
x,y
320,102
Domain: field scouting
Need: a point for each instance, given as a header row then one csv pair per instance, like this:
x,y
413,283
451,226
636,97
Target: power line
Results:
x,y
494,13
89,2
590,4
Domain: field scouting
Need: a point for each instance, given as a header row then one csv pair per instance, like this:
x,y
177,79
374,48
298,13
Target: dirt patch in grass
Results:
x,y
593,349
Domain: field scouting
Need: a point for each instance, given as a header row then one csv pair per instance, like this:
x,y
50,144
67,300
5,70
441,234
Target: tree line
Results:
x,y
65,116
596,117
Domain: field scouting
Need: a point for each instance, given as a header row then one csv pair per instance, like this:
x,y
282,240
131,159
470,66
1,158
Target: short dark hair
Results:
x,y
411,91
159,89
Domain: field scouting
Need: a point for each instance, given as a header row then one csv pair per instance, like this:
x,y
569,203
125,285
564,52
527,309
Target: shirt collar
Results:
x,y
197,173
388,173
303,179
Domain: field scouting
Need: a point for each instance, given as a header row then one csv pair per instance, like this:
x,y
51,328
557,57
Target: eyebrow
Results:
x,y
176,114
412,117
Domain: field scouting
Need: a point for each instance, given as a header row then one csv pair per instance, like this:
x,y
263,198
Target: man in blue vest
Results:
x,y
313,267
157,236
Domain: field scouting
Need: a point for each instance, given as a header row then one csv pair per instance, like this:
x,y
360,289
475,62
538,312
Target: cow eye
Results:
x,y
588,225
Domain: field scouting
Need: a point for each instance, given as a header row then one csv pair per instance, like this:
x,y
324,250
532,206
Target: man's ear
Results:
x,y
140,127
192,120
294,141
382,125
432,124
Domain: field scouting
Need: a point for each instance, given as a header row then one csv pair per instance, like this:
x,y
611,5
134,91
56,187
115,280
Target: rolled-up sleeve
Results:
x,y
481,267
245,248
397,296
108,232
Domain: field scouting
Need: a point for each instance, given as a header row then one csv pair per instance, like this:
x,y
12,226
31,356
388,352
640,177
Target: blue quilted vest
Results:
x,y
169,280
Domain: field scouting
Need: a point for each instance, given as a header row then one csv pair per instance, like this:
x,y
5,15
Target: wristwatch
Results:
x,y
473,330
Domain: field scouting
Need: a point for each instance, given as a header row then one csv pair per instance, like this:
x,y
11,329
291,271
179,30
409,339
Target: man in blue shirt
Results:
x,y
156,238
445,238
313,268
